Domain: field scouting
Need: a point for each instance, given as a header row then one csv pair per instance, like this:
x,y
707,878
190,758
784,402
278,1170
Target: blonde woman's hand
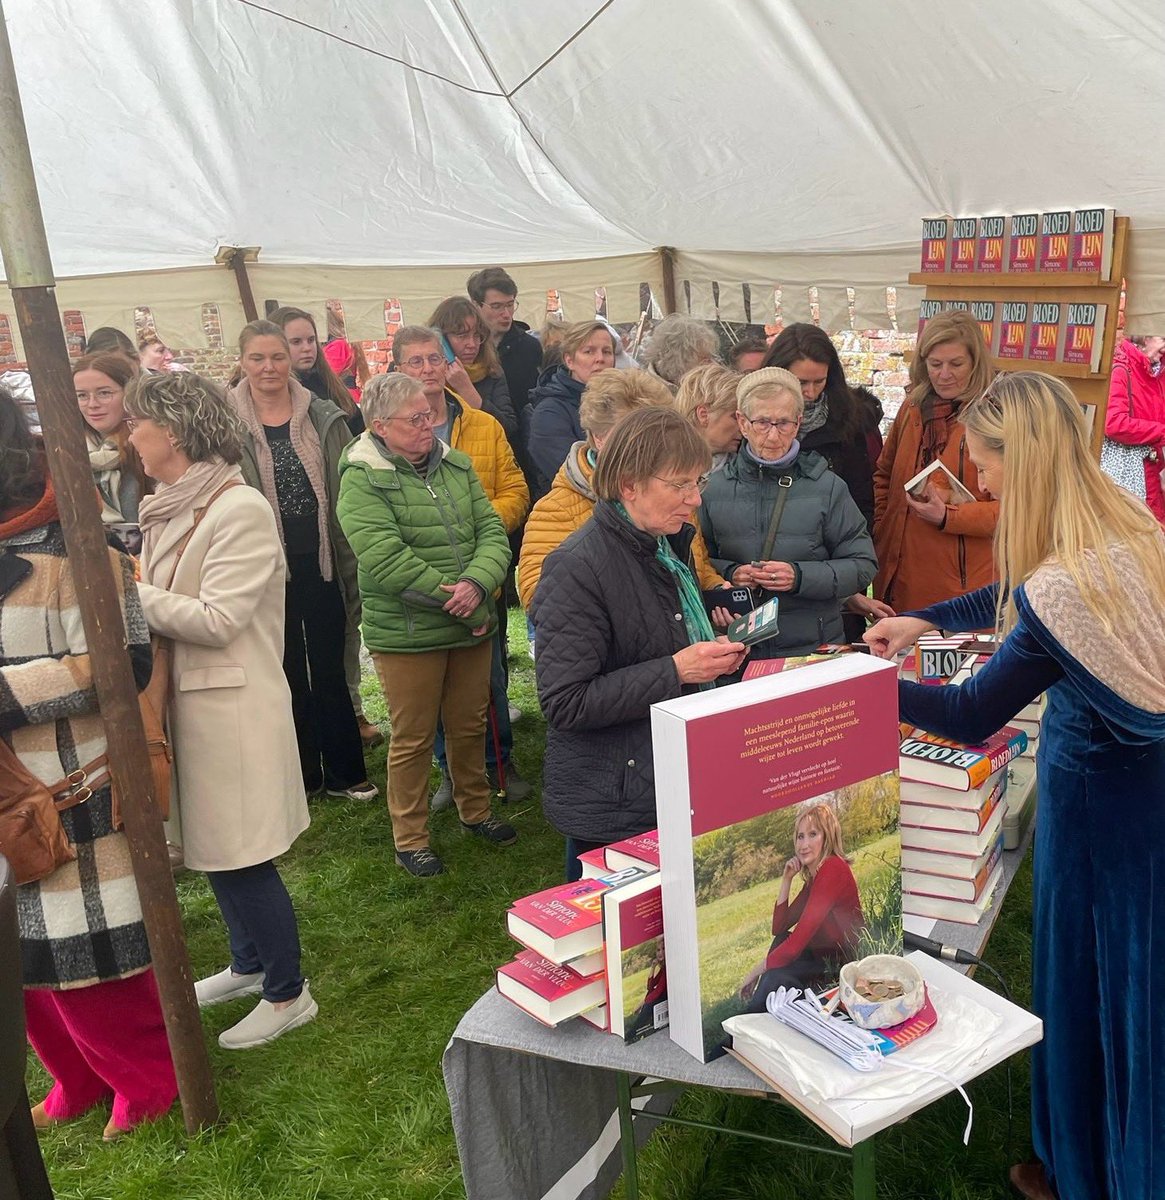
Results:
x,y
892,634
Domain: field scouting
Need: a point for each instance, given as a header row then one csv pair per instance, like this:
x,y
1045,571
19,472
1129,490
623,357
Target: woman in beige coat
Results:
x,y
213,581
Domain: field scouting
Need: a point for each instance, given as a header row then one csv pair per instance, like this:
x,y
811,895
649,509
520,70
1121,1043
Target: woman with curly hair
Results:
x,y
212,581
677,344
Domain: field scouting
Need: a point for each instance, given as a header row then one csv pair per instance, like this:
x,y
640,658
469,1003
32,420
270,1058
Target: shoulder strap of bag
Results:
x,y
199,513
784,483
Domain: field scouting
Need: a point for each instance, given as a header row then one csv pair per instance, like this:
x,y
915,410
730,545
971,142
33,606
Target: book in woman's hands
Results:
x,y
947,481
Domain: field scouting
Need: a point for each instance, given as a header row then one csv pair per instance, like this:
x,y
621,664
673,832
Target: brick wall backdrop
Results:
x,y
877,359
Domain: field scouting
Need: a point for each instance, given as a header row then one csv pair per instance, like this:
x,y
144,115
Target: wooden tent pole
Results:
x,y
236,258
31,280
667,264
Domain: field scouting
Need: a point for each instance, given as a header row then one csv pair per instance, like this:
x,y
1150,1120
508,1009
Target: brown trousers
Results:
x,y
418,687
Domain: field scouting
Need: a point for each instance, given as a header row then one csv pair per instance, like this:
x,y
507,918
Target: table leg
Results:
x,y
627,1136
864,1185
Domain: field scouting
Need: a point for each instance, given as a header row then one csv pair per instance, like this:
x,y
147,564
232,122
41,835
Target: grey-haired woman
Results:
x,y
213,581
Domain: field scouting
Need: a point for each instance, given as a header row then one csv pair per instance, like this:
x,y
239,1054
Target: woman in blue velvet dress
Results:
x,y
1082,606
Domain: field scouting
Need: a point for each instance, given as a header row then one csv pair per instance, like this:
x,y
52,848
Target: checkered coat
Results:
x,y
83,923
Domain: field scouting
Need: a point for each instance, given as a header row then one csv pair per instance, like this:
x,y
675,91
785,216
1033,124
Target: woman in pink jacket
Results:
x,y
1136,409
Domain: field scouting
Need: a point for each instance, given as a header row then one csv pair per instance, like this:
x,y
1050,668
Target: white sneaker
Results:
x,y
226,985
264,1023
359,791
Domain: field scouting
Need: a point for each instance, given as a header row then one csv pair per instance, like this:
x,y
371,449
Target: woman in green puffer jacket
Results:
x,y
431,552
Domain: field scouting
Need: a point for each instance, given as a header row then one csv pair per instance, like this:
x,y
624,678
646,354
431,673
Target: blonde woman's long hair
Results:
x,y
832,842
953,326
1056,504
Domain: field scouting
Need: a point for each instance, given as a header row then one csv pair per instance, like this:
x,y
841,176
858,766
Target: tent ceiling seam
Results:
x,y
521,116
500,94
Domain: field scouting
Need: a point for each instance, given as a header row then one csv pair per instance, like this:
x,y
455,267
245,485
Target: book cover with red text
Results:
x,y
778,827
640,851
984,311
990,244
1043,338
549,992
936,244
566,921
928,758
1023,247
1092,238
1012,329
1084,334
964,241
1055,241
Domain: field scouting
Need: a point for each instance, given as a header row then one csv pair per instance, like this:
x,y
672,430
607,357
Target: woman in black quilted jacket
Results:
x,y
620,625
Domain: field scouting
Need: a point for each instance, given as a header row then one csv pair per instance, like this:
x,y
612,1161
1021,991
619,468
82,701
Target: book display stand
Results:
x,y
1062,287
579,1103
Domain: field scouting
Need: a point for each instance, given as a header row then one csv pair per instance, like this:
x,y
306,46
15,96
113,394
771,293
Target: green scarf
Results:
x,y
696,621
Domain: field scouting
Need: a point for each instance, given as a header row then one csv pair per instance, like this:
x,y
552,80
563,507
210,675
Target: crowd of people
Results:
x,y
312,510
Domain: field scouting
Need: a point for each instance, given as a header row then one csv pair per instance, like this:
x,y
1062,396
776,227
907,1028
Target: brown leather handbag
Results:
x,y
32,837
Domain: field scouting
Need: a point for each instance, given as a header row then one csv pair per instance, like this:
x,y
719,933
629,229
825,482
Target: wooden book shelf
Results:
x,y
1066,287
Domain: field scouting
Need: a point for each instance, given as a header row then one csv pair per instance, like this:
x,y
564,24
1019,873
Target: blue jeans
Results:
x,y
261,923
499,714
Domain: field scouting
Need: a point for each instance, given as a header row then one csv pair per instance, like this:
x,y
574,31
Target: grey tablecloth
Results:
x,y
535,1109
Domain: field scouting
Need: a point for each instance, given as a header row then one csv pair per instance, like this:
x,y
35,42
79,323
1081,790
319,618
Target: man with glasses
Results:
x,y
417,353
496,296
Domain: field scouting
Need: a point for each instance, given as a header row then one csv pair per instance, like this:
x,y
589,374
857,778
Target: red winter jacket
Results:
x,y
1136,415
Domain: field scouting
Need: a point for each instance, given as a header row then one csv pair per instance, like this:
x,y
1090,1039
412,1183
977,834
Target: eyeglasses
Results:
x,y
471,336
682,487
418,361
417,420
101,396
501,306
763,425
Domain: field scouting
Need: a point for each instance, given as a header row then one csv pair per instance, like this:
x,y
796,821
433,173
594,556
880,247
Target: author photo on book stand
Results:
x,y
818,930
621,624
1081,607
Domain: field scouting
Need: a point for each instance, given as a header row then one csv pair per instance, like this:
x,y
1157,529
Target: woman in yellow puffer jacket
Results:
x,y
609,397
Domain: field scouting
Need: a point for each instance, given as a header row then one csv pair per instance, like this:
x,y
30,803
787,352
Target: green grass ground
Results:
x,y
353,1107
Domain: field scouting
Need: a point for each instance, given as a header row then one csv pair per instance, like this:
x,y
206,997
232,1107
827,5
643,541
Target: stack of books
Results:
x,y
594,949
951,820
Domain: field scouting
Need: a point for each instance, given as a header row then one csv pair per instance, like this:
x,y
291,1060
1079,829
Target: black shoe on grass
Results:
x,y
422,863
494,831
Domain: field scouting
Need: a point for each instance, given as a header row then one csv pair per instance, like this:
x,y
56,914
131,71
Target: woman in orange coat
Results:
x,y
931,549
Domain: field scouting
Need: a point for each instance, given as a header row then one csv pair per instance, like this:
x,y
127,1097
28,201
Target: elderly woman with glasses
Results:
x,y
620,625
432,552
777,520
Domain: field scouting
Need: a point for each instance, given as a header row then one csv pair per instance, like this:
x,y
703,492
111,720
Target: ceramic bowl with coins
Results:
x,y
881,991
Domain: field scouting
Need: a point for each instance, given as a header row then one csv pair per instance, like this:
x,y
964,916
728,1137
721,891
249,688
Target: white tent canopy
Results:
x,y
780,143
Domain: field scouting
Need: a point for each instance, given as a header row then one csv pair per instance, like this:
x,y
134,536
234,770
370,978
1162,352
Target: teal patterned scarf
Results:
x,y
696,621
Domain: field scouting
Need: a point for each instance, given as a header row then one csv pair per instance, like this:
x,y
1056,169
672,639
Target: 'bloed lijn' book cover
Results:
x,y
778,824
